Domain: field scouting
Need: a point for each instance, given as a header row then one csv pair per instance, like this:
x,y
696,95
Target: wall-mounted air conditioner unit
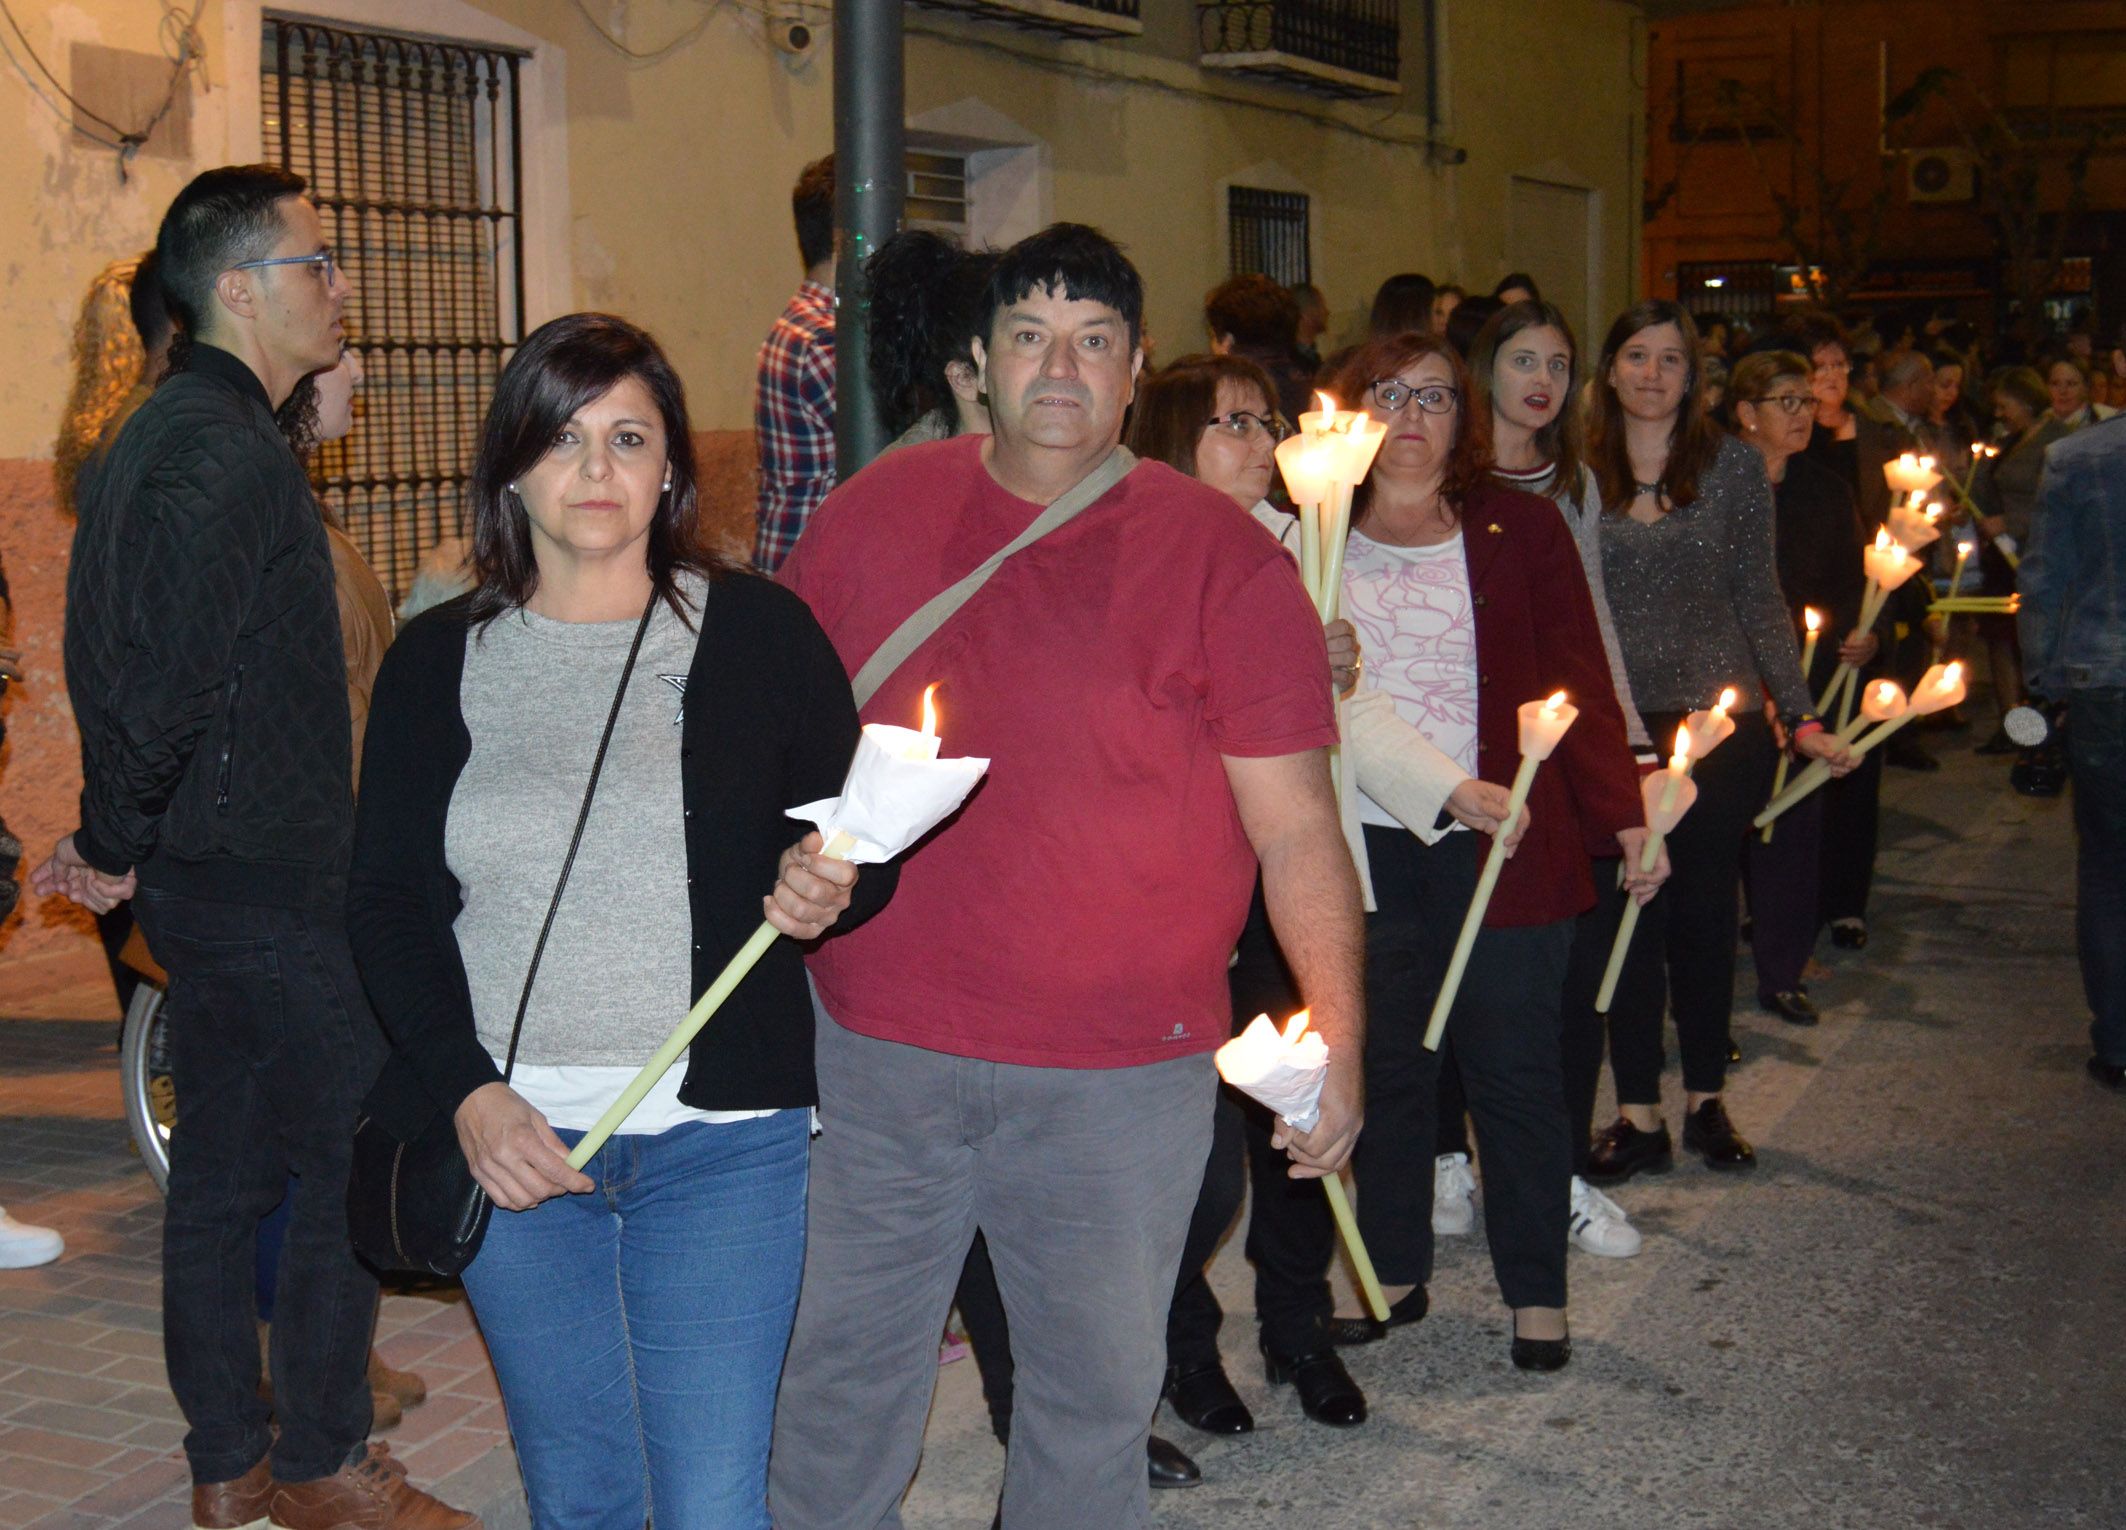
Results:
x,y
1940,175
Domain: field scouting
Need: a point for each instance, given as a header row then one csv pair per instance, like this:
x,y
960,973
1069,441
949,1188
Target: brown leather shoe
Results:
x,y
408,1388
237,1505
368,1493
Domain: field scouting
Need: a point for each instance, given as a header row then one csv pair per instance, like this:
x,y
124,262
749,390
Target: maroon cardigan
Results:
x,y
1535,634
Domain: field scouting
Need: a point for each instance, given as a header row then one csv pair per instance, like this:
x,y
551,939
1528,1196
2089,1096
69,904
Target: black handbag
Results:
x,y
414,1205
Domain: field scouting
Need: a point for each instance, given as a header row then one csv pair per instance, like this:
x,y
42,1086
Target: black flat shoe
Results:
x,y
1170,1468
1707,1131
1204,1398
1850,935
1410,1308
1541,1354
2110,1075
1793,1006
1326,1390
1623,1150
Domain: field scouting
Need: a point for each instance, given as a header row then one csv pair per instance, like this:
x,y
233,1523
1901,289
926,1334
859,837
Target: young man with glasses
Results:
x,y
203,657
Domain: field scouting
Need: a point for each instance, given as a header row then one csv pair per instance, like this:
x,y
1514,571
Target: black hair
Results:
x,y
812,210
1468,317
563,365
222,218
1254,310
1522,279
1078,261
927,298
151,313
1402,306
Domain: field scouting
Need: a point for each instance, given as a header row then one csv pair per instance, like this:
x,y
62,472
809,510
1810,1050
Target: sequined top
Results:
x,y
1695,595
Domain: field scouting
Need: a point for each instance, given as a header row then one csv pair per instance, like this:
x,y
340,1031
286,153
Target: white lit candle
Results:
x,y
1712,727
1911,474
1542,724
1668,795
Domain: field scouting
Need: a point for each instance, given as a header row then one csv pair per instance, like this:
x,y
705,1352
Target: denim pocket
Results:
x,y
235,983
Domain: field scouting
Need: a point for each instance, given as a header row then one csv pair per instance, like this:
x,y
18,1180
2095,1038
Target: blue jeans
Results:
x,y
2096,756
638,1331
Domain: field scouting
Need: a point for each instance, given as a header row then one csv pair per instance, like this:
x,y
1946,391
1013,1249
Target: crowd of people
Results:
x,y
979,1078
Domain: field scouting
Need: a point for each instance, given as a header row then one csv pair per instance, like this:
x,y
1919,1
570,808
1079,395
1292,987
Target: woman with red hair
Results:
x,y
1469,599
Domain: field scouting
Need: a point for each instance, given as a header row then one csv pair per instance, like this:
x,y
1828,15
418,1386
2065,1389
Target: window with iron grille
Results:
x,y
411,149
1267,232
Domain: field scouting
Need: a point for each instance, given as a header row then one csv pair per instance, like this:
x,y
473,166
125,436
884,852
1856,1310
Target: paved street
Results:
x,y
1908,1315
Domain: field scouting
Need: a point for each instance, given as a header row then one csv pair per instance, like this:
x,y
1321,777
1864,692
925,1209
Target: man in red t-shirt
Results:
x,y
1022,1039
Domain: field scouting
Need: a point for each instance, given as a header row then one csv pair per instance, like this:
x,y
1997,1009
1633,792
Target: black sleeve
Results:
x,y
205,515
402,899
823,731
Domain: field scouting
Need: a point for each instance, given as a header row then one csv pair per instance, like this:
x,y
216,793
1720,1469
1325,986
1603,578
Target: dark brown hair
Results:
x,y
1175,403
812,210
1692,444
1254,310
1559,441
563,365
1378,360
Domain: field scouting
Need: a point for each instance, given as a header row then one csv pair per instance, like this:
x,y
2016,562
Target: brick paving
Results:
x,y
89,1434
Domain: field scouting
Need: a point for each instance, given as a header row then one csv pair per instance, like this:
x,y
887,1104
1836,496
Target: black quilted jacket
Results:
x,y
203,654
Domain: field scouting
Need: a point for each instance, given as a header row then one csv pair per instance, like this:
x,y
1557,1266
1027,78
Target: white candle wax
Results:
x,y
1543,723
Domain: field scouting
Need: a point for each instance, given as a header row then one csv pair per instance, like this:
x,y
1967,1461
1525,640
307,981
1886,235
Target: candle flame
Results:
x,y
1927,463
1812,618
1682,745
1978,448
1328,410
930,710
1727,700
1296,1027
1883,540
1933,513
1886,693
1951,675
1557,700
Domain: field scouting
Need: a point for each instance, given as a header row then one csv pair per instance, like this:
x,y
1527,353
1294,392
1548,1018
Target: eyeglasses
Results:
x,y
325,262
1434,398
1248,425
1791,403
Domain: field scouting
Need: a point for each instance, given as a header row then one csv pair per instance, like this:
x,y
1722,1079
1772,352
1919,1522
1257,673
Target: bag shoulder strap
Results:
x,y
575,840
936,611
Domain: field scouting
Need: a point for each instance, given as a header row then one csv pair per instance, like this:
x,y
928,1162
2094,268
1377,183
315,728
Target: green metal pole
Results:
x,y
869,182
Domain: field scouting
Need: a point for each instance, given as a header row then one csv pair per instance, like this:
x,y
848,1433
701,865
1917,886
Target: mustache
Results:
x,y
1040,388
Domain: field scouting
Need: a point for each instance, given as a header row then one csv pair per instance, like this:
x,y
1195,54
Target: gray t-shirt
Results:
x,y
617,972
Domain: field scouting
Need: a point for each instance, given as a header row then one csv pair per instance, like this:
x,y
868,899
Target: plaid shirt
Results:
x,y
793,421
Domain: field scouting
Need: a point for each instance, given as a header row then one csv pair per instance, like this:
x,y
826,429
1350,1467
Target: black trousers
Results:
x,y
1700,920
1505,1030
1783,879
1291,1236
272,1045
1642,994
1851,826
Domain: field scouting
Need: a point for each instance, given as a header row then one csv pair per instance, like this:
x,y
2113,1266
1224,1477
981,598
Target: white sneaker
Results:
x,y
22,1246
1599,1225
1453,1210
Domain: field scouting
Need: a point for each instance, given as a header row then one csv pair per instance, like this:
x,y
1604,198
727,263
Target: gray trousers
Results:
x,y
1081,1179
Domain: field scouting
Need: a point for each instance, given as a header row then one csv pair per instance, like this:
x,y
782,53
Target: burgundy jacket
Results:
x,y
1535,634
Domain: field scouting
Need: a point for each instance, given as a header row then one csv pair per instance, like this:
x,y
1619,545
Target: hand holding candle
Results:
x,y
897,790
1888,566
1942,686
1285,1071
1668,795
1543,723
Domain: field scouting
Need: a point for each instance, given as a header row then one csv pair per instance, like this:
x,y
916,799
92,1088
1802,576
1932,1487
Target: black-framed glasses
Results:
x,y
1246,424
1433,398
1790,403
324,261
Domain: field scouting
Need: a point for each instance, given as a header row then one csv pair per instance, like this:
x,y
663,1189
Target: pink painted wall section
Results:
x,y
40,770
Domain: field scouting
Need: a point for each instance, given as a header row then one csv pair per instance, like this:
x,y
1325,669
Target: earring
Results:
x,y
513,491
667,486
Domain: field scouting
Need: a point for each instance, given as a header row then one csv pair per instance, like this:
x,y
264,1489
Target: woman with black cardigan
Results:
x,y
636,1313
1819,541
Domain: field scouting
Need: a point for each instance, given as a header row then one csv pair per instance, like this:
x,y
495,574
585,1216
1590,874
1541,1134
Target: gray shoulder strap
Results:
x,y
937,610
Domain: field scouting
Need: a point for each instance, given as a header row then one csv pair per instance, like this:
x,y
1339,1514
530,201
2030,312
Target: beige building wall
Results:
x,y
660,189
